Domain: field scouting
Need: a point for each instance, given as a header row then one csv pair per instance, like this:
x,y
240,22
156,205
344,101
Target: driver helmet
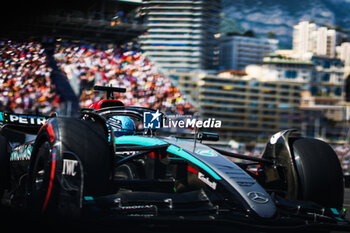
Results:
x,y
122,125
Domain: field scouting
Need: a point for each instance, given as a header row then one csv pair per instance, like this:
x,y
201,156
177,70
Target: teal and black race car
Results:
x,y
106,165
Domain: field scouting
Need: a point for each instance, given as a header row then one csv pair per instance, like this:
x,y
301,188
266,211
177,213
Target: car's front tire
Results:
x,y
319,172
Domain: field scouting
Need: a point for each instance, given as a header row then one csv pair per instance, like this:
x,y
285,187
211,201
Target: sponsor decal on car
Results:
x,y
23,119
206,180
258,197
125,153
69,167
209,153
22,152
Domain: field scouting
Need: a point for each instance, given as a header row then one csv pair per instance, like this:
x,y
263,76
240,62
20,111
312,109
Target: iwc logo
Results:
x,y
258,197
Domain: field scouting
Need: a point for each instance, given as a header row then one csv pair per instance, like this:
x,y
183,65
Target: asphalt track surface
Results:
x,y
19,222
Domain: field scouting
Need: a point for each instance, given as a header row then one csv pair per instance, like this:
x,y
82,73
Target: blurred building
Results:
x,y
181,34
89,21
309,38
248,107
322,95
278,67
279,94
343,51
323,103
328,77
236,52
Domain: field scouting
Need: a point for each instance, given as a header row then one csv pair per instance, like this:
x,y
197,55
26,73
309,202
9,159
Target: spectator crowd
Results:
x,y
123,67
25,85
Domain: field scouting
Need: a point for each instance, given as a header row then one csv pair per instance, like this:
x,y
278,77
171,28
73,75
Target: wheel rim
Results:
x,y
41,167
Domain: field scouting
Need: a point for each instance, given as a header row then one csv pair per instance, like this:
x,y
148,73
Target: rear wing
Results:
x,y
25,123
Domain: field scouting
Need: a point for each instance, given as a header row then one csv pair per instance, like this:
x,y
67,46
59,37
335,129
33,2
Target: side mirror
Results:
x,y
205,136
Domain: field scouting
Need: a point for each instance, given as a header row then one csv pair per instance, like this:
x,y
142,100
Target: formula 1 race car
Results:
x,y
108,165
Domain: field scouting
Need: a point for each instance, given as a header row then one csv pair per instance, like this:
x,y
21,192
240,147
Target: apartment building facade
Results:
x,y
181,34
248,107
309,38
236,52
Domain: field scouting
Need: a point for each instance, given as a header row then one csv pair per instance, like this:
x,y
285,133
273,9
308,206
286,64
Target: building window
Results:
x,y
325,77
290,74
338,91
326,64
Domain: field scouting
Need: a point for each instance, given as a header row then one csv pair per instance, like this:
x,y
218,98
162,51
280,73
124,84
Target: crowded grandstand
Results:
x,y
26,86
121,67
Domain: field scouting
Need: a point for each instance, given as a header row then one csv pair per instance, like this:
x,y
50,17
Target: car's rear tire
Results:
x,y
4,164
319,172
54,188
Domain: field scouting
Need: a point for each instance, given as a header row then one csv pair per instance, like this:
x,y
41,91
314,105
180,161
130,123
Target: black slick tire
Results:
x,y
319,172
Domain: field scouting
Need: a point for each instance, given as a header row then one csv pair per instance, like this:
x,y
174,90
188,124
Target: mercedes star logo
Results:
x,y
258,197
